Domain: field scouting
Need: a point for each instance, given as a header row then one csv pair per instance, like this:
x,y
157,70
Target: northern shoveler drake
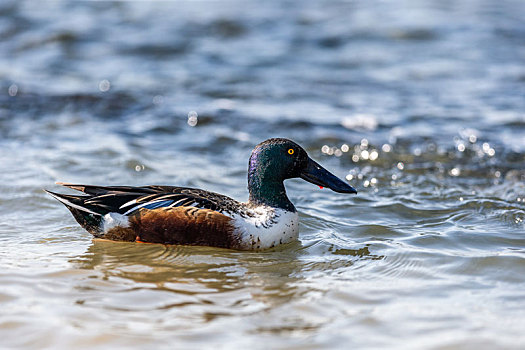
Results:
x,y
190,216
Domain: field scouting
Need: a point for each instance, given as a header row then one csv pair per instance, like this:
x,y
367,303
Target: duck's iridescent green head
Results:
x,y
276,160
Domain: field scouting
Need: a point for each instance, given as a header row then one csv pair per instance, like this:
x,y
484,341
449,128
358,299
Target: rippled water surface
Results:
x,y
419,104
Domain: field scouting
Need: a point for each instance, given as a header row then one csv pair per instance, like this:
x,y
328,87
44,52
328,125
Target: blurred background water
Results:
x,y
419,104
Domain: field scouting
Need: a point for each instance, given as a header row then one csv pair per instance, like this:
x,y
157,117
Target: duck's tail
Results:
x,y
87,217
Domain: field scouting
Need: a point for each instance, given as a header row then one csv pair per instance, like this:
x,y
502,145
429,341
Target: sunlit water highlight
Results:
x,y
419,106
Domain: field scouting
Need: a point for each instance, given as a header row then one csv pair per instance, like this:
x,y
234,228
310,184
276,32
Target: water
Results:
x,y
420,105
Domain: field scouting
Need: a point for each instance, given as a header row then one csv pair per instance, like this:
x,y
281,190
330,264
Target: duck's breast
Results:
x,y
266,227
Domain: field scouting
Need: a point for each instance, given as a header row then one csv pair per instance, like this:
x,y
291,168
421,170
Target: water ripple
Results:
x,y
419,106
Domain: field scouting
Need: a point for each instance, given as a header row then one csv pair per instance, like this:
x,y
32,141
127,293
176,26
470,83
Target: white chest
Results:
x,y
267,228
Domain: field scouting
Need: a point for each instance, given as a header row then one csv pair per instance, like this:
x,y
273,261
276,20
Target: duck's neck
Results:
x,y
272,195
267,191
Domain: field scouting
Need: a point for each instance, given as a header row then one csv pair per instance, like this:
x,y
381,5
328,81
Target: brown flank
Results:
x,y
180,225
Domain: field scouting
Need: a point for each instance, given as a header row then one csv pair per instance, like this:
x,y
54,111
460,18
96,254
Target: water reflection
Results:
x,y
250,282
206,273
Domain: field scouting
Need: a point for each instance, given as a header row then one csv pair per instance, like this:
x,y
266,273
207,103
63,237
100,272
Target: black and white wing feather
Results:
x,y
126,199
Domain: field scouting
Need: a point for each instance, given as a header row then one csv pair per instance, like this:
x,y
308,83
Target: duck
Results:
x,y
174,215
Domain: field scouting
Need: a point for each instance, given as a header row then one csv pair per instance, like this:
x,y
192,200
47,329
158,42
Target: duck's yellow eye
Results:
x,y
290,151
